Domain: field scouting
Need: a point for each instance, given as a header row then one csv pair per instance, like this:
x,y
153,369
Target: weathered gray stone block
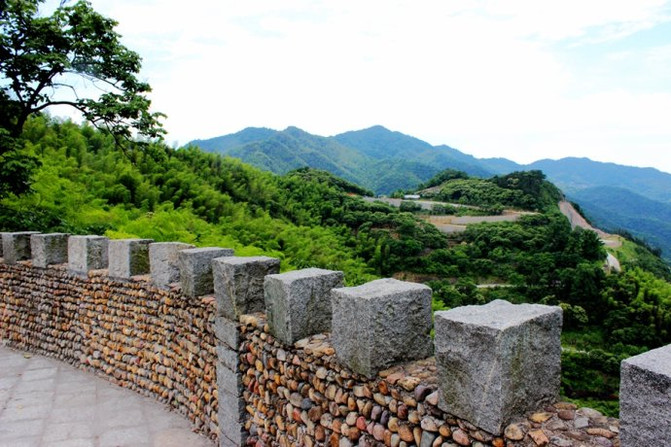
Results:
x,y
238,283
16,246
233,432
645,399
128,257
381,323
164,262
228,358
227,332
229,381
87,253
51,248
298,303
233,407
195,269
497,361
241,438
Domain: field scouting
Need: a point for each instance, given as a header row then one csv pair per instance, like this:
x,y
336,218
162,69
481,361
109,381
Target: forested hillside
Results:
x,y
309,217
615,197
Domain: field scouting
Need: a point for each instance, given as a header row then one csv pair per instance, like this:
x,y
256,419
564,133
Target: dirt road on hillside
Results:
x,y
576,220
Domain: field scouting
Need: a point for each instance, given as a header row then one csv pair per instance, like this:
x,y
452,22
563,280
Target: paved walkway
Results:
x,y
47,403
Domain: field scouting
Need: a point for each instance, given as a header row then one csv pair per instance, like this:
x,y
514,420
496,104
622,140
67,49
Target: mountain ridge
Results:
x,y
385,161
375,158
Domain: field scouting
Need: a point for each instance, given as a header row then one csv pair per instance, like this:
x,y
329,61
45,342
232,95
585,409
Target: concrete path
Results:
x,y
47,403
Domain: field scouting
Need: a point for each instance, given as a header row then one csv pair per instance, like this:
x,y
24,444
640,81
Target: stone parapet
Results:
x,y
128,257
164,262
238,283
498,361
51,248
645,399
302,395
87,253
298,303
16,246
283,379
381,323
195,269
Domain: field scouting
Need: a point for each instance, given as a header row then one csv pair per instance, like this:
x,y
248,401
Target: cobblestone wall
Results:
x,y
156,342
301,395
197,352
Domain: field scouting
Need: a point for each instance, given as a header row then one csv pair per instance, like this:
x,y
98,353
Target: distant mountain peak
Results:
x,y
376,128
294,129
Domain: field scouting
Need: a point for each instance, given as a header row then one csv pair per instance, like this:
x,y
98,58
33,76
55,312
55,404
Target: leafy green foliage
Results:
x,y
635,252
42,62
526,190
307,217
442,177
613,197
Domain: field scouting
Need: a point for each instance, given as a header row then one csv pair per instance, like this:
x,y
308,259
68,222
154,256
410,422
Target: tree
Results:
x,y
45,60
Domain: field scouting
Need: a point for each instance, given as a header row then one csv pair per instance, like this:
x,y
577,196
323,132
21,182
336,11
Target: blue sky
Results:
x,y
521,79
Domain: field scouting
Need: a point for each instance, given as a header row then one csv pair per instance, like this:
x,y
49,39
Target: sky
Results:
x,y
520,79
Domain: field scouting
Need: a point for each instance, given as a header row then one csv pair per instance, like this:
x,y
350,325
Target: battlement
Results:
x,y
252,355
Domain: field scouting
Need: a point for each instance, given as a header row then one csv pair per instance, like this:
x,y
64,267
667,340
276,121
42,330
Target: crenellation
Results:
x,y
195,269
238,283
325,364
164,262
298,303
645,399
381,323
86,253
128,257
488,363
50,248
302,395
16,246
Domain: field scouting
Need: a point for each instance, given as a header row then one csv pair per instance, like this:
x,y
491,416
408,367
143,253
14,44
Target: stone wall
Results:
x,y
246,377
153,341
302,395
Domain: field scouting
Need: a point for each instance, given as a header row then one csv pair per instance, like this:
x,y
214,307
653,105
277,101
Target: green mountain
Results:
x,y
227,142
294,148
375,158
575,174
380,143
